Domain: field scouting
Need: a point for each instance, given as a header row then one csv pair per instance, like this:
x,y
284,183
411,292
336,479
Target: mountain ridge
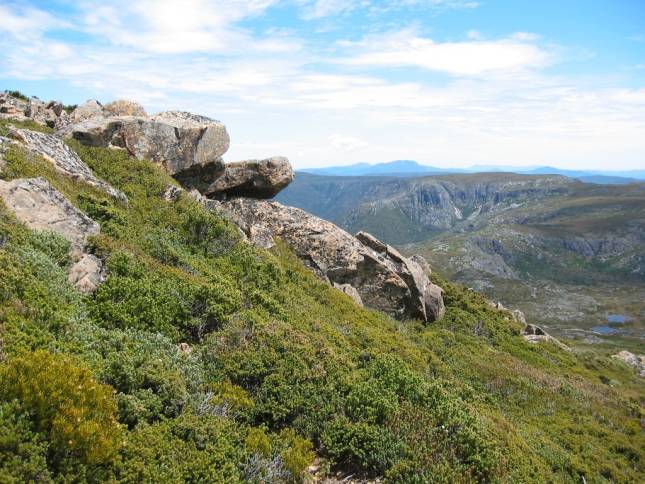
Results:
x,y
405,168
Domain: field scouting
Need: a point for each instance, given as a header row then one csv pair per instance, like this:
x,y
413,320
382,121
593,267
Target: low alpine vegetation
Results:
x,y
204,359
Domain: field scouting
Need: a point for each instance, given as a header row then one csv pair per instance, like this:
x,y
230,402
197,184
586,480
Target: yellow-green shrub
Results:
x,y
74,411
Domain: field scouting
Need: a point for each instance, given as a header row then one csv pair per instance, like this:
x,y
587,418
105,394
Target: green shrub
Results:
x,y
73,411
187,449
362,447
23,452
298,453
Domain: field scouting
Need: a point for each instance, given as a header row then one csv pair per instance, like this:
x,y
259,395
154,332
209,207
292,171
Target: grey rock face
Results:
x,y
63,158
383,278
40,206
251,178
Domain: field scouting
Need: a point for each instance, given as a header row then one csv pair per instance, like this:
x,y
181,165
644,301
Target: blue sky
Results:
x,y
449,83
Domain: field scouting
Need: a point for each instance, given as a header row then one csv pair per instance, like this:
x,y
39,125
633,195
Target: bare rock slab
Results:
x,y
64,159
37,204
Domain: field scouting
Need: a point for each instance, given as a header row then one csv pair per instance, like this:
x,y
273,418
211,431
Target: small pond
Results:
x,y
618,318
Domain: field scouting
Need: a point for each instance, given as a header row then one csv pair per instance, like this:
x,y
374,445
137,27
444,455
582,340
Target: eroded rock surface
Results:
x,y
37,204
382,278
63,158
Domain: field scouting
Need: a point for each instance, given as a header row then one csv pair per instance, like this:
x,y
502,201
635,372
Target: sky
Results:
x,y
448,83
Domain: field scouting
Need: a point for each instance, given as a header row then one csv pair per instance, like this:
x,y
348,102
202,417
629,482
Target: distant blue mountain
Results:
x,y
408,168
391,168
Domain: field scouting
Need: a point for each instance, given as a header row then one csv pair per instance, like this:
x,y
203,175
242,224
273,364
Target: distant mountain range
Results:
x,y
410,168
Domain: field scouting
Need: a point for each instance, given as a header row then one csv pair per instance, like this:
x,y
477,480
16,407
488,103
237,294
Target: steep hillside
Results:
x,y
198,357
567,253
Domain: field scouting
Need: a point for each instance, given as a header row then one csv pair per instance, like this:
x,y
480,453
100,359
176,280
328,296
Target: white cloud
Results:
x,y
346,143
27,22
498,104
472,57
171,27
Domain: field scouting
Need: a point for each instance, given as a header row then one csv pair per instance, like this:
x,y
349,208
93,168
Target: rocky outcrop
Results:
x,y
40,206
635,361
50,113
177,141
251,178
383,278
63,158
535,334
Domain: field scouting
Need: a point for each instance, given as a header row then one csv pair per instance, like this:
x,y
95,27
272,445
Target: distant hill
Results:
x,y
408,168
391,168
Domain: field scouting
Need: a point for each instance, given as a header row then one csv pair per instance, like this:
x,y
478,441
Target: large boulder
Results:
x,y
381,277
37,204
179,142
65,160
88,110
250,178
123,107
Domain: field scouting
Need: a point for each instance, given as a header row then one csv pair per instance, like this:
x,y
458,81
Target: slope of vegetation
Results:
x,y
202,359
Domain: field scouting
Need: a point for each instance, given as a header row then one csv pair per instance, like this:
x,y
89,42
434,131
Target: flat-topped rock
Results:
x,y
382,279
177,141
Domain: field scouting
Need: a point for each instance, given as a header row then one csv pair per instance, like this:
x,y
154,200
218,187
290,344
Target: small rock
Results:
x,y
185,348
535,334
172,193
86,274
350,291
518,316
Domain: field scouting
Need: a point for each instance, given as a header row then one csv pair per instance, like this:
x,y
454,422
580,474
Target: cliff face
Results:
x,y
406,210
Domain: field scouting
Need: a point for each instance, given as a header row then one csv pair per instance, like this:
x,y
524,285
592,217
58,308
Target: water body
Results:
x,y
618,318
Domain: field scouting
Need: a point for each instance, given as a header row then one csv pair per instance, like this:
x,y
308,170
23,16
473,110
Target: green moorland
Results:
x,y
279,369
